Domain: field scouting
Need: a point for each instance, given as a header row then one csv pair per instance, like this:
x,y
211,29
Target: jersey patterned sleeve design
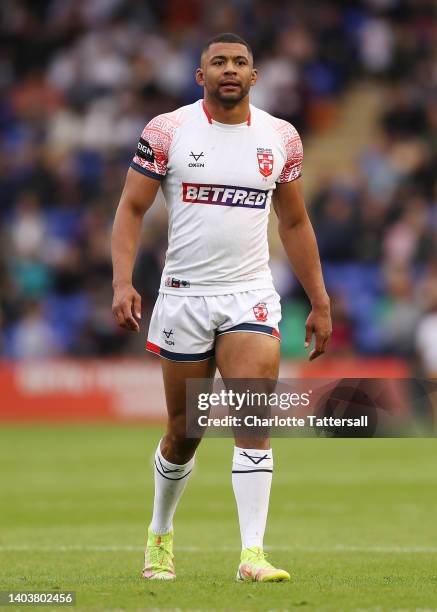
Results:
x,y
151,157
293,148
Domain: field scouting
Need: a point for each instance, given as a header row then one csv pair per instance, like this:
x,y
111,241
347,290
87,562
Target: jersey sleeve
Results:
x,y
151,157
294,153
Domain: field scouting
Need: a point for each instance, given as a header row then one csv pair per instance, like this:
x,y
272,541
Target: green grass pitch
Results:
x,y
355,521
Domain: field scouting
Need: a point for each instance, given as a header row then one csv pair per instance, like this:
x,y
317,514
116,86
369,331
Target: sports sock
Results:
x,y
252,471
170,482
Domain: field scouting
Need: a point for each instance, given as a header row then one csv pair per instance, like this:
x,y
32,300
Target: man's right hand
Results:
x,y
126,307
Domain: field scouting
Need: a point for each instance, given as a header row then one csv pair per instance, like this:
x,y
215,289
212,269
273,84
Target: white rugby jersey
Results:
x,y
218,181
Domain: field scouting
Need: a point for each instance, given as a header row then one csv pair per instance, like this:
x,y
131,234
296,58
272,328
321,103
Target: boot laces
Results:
x,y
160,555
260,557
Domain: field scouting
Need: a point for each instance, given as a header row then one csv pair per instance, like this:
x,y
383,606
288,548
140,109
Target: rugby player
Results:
x,y
220,162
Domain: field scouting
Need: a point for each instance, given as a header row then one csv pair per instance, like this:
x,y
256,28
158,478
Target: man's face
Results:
x,y
227,72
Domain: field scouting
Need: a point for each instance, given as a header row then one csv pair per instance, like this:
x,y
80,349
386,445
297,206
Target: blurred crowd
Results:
x,y
80,78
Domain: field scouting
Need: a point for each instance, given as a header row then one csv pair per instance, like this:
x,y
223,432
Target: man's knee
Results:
x,y
177,448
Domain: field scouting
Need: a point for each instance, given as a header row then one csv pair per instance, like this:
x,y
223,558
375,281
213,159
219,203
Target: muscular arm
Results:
x,y
138,195
297,236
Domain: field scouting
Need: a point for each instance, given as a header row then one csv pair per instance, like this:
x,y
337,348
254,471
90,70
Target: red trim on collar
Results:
x,y
208,116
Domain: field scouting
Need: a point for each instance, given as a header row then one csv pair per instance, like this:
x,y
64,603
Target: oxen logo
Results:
x,y
265,161
196,163
168,335
261,312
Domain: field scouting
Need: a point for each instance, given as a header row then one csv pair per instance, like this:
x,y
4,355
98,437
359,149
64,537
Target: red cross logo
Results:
x,y
265,163
260,311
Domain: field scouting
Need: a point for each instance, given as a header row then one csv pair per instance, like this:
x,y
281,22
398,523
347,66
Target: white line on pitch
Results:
x,y
199,549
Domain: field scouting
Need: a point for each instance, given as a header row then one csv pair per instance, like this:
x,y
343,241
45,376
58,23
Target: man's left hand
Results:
x,y
319,324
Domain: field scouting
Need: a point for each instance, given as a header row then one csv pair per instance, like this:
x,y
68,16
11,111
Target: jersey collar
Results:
x,y
210,119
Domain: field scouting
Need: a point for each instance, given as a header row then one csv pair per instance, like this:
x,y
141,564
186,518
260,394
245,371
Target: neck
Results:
x,y
238,113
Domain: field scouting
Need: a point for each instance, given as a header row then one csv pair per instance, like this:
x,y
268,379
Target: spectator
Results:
x,y
33,337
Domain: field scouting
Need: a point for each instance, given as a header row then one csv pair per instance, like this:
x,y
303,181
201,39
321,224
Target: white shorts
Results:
x,y
185,328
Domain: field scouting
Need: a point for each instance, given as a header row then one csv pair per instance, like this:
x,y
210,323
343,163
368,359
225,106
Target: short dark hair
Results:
x,y
227,37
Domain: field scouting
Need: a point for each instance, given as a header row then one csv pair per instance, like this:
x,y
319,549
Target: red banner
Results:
x,y
114,390
132,389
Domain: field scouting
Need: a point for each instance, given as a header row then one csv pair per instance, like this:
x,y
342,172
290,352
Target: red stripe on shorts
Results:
x,y
153,347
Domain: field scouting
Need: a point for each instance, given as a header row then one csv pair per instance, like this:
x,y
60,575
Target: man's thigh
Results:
x,y
249,348
247,341
175,376
247,355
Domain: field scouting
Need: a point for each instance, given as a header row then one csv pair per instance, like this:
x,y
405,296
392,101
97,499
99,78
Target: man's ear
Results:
x,y
200,80
254,76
